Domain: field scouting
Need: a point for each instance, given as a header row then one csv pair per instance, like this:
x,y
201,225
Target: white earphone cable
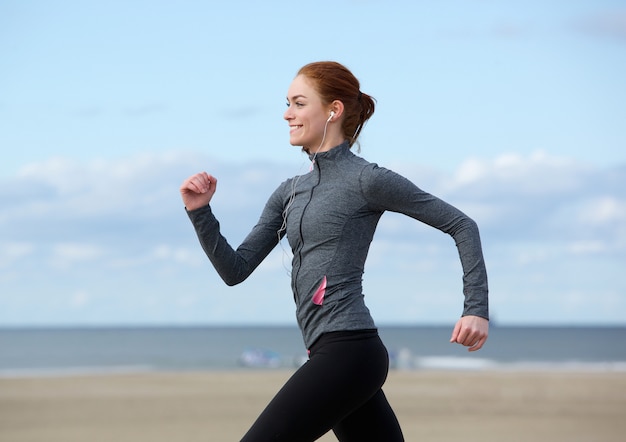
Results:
x,y
283,227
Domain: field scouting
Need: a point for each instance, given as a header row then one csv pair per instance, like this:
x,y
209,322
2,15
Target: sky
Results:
x,y
511,111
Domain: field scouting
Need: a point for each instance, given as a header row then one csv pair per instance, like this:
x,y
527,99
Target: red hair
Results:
x,y
333,81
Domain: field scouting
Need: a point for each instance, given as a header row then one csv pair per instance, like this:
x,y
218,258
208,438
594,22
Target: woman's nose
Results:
x,y
287,115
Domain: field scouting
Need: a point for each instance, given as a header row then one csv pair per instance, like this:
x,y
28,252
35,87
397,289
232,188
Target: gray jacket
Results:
x,y
329,216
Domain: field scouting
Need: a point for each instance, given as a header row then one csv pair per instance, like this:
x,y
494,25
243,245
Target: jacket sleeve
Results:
x,y
390,191
235,265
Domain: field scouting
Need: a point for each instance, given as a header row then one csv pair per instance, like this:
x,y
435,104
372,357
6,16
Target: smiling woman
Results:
x,y
329,217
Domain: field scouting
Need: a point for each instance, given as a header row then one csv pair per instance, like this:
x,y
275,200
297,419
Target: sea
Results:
x,y
37,352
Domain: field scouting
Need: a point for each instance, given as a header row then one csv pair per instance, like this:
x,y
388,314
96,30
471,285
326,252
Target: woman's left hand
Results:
x,y
471,331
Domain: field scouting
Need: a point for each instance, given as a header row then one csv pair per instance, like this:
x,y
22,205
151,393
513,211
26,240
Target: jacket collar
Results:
x,y
333,153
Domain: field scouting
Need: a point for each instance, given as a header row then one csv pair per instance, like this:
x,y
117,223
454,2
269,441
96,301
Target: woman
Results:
x,y
329,216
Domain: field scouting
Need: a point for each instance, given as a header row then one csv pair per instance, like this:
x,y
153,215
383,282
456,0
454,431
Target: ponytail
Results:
x,y
367,105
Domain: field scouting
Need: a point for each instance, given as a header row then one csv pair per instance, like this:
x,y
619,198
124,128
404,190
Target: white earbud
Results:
x,y
332,114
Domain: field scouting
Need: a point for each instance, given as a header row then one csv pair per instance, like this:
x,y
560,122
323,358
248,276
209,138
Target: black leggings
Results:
x,y
338,388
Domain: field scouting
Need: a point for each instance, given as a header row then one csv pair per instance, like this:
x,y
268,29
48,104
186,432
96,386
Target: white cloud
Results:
x,y
179,255
156,255
470,171
537,174
13,251
603,210
65,255
76,251
587,247
79,299
122,223
75,189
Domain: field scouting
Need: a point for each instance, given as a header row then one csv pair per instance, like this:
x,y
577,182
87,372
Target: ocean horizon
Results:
x,y
58,351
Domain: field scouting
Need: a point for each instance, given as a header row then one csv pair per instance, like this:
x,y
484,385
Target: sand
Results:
x,y
431,406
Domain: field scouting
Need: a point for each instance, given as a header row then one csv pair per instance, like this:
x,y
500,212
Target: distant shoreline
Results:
x,y
67,351
492,324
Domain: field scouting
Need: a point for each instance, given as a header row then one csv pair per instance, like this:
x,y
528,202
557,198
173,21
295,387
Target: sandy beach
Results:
x,y
219,406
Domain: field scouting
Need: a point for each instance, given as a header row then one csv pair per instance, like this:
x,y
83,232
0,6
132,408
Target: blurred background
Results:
x,y
512,111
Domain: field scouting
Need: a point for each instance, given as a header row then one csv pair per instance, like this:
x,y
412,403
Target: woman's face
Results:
x,y
306,115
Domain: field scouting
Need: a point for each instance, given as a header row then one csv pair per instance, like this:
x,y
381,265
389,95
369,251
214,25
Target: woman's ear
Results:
x,y
337,108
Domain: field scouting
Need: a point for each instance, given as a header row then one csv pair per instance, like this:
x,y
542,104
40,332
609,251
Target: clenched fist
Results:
x,y
197,190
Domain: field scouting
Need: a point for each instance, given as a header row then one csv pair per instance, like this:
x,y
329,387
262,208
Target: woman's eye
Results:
x,y
297,104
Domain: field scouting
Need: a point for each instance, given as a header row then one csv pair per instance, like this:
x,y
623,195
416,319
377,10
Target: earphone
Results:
x,y
332,114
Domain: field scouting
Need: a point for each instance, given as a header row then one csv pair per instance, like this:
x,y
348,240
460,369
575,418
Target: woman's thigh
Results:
x,y
340,377
374,421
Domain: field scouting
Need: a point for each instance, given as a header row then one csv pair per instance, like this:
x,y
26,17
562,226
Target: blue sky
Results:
x,y
512,111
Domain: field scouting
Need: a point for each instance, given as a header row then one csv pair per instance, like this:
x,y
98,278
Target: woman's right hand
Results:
x,y
197,190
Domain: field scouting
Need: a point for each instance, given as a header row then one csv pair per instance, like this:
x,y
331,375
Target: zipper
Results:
x,y
319,179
